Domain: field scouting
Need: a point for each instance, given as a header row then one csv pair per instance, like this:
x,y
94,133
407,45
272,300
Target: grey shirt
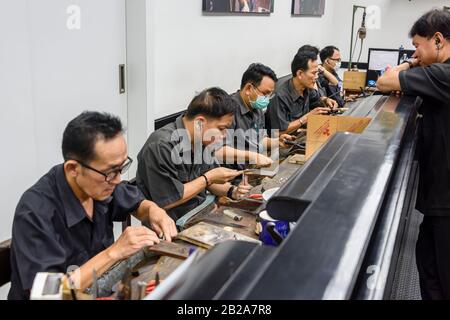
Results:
x,y
288,105
165,163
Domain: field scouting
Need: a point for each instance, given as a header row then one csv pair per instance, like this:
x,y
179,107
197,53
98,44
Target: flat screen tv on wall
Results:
x,y
238,6
308,7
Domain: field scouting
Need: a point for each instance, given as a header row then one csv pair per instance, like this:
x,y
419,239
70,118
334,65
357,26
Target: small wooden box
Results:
x,y
354,80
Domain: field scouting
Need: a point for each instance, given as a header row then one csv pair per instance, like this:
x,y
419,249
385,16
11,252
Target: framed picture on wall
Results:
x,y
238,6
308,7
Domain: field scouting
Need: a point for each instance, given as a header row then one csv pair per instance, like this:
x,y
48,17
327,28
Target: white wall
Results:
x,y
18,130
18,159
49,74
193,51
397,18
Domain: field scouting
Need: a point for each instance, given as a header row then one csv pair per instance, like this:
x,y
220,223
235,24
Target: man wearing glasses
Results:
x,y
331,63
249,130
66,218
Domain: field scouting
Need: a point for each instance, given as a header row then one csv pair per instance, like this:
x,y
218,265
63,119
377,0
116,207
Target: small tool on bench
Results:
x,y
262,172
170,249
232,215
255,196
225,224
152,284
94,287
125,292
295,144
247,205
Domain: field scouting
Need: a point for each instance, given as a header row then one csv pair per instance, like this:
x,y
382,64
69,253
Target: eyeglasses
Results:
x,y
268,96
111,175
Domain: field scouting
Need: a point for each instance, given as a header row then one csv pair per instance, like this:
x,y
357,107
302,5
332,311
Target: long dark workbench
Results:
x,y
350,202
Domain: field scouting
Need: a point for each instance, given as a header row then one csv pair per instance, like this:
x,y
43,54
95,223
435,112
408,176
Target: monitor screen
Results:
x,y
379,59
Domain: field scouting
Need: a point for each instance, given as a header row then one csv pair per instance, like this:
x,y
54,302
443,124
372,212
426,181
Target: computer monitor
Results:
x,y
379,59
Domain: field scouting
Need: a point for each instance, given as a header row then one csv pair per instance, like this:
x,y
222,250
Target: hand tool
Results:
x,y
232,215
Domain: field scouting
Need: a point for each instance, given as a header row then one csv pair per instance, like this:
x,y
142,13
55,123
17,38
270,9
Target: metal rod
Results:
x,y
355,8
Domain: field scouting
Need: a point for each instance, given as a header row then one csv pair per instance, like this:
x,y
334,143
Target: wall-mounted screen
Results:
x,y
308,7
238,6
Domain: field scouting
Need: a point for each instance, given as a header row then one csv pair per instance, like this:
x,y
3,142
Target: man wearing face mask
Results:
x,y
330,80
297,98
177,164
248,127
428,75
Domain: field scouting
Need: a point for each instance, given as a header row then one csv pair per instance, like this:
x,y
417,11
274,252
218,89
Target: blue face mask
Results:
x,y
261,103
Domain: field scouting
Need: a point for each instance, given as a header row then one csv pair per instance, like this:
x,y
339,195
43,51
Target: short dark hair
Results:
x,y
84,131
327,52
301,61
213,103
255,73
310,48
432,22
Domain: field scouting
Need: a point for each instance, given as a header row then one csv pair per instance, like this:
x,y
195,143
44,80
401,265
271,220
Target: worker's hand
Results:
x,y
330,103
403,66
415,62
131,241
161,223
285,137
320,110
242,189
260,160
351,98
221,175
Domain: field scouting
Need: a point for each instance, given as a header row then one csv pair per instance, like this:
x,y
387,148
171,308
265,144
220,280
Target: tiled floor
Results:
x,y
406,280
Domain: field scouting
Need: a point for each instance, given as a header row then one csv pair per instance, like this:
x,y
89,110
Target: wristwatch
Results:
x,y
301,122
409,63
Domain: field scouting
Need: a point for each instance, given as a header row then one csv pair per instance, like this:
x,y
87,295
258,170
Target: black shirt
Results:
x,y
165,163
248,125
247,131
331,91
432,83
288,105
321,86
52,232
